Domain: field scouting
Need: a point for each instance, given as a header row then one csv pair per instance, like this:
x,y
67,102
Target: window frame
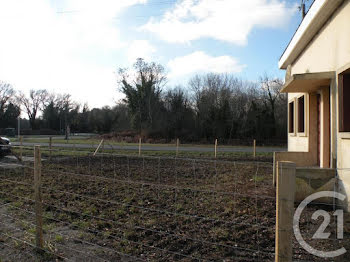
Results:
x,y
305,115
291,132
342,127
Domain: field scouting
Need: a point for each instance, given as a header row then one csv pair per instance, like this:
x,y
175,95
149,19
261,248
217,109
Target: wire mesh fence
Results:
x,y
112,207
94,140
109,207
253,150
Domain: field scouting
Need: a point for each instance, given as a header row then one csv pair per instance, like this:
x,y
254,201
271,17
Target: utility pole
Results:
x,y
302,8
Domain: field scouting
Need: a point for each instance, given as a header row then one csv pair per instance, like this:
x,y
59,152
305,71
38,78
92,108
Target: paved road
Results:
x,y
9,162
164,148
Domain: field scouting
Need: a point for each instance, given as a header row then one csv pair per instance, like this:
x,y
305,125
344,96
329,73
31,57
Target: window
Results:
x,y
291,117
344,103
301,114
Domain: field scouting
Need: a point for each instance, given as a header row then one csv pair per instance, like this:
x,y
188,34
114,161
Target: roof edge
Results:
x,y
317,16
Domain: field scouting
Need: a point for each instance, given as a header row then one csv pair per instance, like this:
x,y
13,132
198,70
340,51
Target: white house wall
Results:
x,y
329,51
330,48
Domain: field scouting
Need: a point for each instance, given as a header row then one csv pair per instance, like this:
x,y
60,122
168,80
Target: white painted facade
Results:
x,y
321,46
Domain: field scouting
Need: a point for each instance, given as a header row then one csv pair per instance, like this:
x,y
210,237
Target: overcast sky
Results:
x,y
76,46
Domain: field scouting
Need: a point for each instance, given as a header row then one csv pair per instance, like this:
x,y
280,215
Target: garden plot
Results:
x,y
127,208
148,208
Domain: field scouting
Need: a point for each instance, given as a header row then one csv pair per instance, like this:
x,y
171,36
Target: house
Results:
x,y
317,64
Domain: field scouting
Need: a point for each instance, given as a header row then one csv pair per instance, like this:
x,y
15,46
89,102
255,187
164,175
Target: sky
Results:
x,y
77,46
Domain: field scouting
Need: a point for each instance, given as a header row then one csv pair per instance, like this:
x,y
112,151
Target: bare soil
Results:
x,y
124,208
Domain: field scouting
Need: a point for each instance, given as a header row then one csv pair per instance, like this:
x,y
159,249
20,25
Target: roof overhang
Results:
x,y
307,83
317,16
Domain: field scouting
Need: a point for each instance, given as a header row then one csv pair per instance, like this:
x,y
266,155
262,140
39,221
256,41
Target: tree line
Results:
x,y
209,106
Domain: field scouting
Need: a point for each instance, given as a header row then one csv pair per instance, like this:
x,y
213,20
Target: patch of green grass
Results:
x,y
22,224
48,217
90,211
120,213
86,236
81,224
84,152
228,210
150,222
107,234
130,234
48,227
60,151
220,233
16,243
179,207
31,230
129,199
59,239
259,178
17,203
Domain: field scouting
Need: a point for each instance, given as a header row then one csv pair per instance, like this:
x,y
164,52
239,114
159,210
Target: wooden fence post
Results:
x,y
21,148
50,147
285,192
216,145
274,166
140,141
38,198
177,147
254,148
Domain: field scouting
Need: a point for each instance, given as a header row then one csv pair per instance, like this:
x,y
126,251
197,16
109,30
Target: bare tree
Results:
x,y
7,94
57,111
271,92
66,104
271,88
33,104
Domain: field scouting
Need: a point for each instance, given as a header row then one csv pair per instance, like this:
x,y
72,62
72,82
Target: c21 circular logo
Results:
x,y
320,234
